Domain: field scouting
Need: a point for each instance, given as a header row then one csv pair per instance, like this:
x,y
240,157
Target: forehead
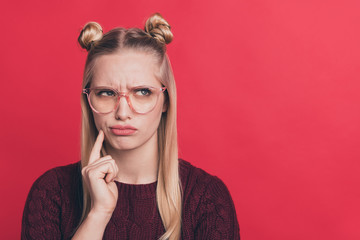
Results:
x,y
126,69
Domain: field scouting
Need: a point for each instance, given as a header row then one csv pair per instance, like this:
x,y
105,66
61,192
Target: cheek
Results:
x,y
99,121
152,120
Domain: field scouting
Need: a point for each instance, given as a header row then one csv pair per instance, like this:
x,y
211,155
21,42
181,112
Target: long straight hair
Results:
x,y
169,189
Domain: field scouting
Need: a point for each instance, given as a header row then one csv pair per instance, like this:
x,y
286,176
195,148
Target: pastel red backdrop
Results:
x,y
268,100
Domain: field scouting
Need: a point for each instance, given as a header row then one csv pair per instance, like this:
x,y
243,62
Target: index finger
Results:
x,y
95,152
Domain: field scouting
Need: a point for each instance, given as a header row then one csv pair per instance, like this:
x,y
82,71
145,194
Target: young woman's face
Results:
x,y
124,71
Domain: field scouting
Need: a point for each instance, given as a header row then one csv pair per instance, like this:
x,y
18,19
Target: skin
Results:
x,y
136,155
131,159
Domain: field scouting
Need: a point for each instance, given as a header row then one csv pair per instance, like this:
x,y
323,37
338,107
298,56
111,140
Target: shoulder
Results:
x,y
52,190
54,181
191,174
208,205
198,184
59,175
48,200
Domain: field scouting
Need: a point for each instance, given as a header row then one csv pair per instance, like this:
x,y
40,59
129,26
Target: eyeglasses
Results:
x,y
141,99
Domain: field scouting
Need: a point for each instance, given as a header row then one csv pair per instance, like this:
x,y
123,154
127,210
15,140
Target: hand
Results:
x,y
99,177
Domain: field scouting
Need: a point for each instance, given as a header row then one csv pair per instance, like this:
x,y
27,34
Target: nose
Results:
x,y
123,110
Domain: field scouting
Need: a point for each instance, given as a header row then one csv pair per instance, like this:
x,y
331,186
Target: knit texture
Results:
x,y
54,205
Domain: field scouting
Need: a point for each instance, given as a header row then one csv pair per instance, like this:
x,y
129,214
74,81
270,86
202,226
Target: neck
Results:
x,y
139,165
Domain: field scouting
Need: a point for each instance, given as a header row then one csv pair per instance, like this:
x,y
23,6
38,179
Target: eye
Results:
x,y
105,93
143,92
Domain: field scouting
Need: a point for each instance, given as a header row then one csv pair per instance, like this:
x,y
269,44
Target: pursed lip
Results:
x,y
123,127
123,130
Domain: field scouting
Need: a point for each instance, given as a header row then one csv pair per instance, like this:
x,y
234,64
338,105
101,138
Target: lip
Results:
x,y
123,127
123,130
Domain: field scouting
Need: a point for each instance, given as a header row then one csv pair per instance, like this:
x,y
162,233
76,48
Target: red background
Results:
x,y
268,100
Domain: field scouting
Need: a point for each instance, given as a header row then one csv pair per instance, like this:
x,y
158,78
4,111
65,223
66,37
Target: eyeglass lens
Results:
x,y
105,100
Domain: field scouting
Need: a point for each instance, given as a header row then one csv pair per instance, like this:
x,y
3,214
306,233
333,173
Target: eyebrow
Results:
x,y
129,87
116,85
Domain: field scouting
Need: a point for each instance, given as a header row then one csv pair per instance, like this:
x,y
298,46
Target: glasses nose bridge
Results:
x,y
126,95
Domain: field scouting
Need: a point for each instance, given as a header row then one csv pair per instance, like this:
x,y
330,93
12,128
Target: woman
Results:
x,y
129,183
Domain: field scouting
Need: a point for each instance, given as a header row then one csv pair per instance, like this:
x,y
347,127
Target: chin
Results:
x,y
126,143
123,146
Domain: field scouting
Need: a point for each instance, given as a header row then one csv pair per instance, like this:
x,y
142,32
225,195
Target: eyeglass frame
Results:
x,y
126,94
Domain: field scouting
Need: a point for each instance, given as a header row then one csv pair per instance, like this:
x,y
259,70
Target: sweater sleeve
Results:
x,y
216,213
41,216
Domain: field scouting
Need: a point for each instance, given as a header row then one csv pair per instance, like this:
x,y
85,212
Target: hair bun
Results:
x,y
159,28
91,32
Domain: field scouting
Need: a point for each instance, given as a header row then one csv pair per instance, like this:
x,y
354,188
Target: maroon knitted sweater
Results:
x,y
54,205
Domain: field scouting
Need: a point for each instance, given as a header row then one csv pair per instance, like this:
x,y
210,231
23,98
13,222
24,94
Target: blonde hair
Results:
x,y
153,40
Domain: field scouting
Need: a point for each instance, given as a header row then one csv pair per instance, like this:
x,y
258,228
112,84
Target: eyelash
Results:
x,y
147,90
100,93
